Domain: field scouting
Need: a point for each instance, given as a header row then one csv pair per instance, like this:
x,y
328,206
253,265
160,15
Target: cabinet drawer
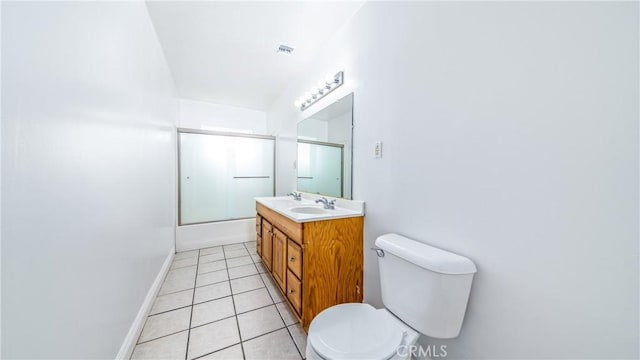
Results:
x,y
294,291
294,258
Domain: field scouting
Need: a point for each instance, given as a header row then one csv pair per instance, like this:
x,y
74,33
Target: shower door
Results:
x,y
221,173
320,167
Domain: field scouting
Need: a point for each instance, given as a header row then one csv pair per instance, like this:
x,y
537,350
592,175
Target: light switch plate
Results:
x,y
377,150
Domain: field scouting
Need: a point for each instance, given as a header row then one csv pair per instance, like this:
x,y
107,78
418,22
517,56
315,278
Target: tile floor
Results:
x,y
219,303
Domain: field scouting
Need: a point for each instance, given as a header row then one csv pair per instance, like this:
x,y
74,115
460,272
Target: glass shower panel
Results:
x,y
220,175
252,169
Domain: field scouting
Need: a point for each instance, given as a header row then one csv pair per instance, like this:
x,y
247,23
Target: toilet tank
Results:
x,y
424,286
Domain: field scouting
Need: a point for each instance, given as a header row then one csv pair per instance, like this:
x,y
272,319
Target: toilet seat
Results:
x,y
355,331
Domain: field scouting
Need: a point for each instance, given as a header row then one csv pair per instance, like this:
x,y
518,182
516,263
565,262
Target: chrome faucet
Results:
x,y
327,204
296,195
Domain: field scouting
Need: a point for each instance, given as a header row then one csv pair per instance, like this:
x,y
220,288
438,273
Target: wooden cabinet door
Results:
x,y
259,235
259,245
279,258
294,291
267,243
259,225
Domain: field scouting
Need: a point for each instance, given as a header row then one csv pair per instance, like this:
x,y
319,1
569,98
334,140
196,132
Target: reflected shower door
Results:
x,y
220,174
320,168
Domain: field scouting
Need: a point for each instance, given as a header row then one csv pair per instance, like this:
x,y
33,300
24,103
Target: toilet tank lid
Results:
x,y
426,256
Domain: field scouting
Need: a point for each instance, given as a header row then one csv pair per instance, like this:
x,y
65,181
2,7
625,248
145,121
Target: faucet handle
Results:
x,y
296,195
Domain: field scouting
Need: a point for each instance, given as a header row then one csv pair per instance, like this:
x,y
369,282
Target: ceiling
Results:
x,y
226,52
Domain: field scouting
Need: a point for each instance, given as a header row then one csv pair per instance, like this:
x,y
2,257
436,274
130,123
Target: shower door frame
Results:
x,y
218,133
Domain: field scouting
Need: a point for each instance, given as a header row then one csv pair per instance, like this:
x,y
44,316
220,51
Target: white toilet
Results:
x,y
424,291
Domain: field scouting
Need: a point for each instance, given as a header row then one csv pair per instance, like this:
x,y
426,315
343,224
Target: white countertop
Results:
x,y
285,205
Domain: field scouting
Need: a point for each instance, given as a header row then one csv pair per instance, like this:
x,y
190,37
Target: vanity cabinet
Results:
x,y
315,264
279,260
259,235
267,243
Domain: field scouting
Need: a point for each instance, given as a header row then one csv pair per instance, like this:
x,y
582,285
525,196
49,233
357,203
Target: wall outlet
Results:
x,y
377,150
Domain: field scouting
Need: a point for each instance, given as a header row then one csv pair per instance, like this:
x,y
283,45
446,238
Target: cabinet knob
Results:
x,y
291,258
290,291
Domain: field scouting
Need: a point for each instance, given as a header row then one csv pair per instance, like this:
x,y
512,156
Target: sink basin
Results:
x,y
307,210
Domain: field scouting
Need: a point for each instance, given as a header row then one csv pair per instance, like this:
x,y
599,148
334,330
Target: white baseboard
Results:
x,y
136,328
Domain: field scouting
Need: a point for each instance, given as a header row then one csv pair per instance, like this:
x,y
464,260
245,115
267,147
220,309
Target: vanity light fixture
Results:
x,y
324,87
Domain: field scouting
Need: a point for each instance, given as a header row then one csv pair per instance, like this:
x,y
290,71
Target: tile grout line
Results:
x,y
224,348
227,267
138,342
199,287
280,314
294,341
214,283
193,304
211,300
267,333
197,256
234,266
186,353
235,312
215,321
162,337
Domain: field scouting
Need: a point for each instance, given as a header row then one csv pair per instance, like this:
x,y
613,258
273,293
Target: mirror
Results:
x,y
324,150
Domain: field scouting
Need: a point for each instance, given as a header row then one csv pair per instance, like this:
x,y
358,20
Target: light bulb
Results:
x,y
307,96
314,91
297,103
329,79
321,84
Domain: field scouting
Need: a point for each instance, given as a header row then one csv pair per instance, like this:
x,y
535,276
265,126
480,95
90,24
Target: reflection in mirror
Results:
x,y
324,150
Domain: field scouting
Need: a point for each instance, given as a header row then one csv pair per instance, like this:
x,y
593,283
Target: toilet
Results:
x,y
424,291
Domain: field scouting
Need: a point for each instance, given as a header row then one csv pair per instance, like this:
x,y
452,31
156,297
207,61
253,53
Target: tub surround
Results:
x,y
286,206
200,236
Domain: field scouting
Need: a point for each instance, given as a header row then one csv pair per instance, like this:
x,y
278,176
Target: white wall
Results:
x,y
88,191
510,136
215,117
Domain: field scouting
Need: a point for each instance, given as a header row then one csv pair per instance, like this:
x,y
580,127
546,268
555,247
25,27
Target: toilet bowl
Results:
x,y
424,290
358,331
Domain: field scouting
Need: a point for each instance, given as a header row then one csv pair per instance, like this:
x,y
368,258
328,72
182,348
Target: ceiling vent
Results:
x,y
285,49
